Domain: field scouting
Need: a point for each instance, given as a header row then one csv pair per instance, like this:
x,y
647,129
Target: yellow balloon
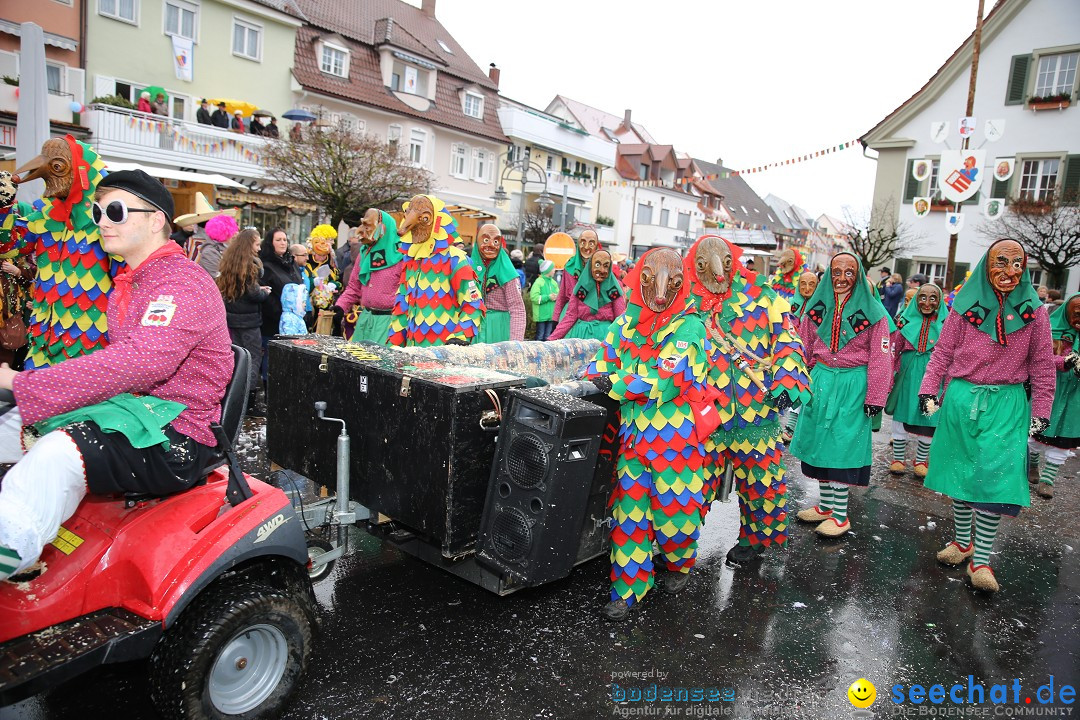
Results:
x,y
862,693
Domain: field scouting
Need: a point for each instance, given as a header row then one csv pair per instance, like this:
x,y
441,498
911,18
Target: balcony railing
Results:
x,y
128,134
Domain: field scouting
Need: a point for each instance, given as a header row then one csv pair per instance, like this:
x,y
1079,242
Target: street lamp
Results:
x,y
528,169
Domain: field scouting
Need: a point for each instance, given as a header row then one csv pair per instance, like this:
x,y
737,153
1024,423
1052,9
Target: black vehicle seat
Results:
x,y
233,408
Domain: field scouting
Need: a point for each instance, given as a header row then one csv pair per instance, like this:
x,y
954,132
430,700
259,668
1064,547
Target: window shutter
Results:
x,y
973,200
1015,93
903,267
1070,186
1000,189
960,269
911,185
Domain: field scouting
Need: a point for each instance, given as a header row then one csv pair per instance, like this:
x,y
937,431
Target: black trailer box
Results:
x,y
419,454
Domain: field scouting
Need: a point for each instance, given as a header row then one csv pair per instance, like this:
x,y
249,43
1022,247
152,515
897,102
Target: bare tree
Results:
x,y
879,235
539,224
1048,229
345,173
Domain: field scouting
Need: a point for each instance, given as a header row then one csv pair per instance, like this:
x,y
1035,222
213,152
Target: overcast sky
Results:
x,y
750,82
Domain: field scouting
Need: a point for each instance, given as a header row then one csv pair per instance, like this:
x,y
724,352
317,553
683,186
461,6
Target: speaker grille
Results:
x,y
511,535
527,460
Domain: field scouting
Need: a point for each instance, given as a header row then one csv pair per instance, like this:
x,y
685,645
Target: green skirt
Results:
x,y
142,420
495,327
903,402
372,327
589,329
1065,416
833,430
979,452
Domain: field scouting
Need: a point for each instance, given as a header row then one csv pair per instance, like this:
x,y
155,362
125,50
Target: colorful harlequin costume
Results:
x,y
991,344
846,341
74,278
438,298
656,365
913,340
374,284
785,284
1063,434
501,288
752,320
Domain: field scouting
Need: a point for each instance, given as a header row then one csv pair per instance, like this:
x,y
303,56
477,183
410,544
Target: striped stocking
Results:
x,y
1049,472
899,449
839,501
986,527
826,492
9,562
922,451
962,522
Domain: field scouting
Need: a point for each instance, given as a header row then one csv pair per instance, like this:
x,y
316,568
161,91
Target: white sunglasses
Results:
x,y
117,212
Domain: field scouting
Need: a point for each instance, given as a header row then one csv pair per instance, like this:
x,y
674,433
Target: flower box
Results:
x,y
1049,102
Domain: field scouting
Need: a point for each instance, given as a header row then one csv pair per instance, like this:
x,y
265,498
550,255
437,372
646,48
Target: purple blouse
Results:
x,y
870,349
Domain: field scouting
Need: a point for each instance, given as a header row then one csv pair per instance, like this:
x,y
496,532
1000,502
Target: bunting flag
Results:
x,y
185,142
733,173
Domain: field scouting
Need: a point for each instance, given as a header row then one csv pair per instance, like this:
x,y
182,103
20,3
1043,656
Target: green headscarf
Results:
x,y
595,297
383,253
1059,324
498,273
995,314
576,264
911,323
860,312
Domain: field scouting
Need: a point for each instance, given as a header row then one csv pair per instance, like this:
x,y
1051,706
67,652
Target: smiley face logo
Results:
x,y
862,693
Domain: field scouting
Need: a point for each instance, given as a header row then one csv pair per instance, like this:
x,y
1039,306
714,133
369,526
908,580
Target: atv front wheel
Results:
x,y
236,654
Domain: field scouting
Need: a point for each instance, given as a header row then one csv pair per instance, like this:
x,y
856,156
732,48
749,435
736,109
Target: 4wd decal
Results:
x,y
268,527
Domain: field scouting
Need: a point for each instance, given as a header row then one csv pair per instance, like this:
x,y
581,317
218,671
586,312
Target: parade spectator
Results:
x,y
542,296
996,339
257,128
749,264
500,286
1043,292
346,255
884,274
220,118
219,231
237,125
271,130
16,278
279,269
1053,299
296,134
532,264
203,113
321,274
518,259
893,294
917,281
160,107
144,103
244,295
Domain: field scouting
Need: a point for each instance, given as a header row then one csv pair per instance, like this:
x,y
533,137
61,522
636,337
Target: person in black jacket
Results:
x,y
278,271
532,264
220,118
238,281
203,113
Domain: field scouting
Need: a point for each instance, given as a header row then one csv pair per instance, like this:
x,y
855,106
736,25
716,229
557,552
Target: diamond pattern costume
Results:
x,y
753,320
71,291
658,365
439,297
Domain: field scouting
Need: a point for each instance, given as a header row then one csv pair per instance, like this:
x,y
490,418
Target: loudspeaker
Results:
x,y
540,484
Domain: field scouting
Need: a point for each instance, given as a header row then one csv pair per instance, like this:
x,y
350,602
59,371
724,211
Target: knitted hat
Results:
x,y
545,266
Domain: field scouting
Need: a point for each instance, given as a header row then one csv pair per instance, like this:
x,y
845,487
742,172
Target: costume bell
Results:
x,y
575,267
654,361
808,283
845,334
74,276
438,299
372,290
597,301
918,330
500,286
996,338
1063,434
758,368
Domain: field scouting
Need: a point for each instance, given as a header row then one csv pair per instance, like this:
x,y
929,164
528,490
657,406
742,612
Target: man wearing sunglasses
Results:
x,y
134,416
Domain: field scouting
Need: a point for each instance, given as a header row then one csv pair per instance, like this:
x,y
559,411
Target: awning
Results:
x,y
174,174
469,212
237,197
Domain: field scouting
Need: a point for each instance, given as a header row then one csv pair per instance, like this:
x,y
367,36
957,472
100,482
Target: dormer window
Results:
x,y
474,104
334,60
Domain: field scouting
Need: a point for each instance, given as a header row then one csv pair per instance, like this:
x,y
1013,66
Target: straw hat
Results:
x,y
203,212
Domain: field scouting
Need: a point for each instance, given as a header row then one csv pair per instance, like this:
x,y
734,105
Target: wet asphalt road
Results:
x,y
784,638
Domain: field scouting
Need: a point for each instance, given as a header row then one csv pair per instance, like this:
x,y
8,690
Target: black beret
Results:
x,y
141,185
